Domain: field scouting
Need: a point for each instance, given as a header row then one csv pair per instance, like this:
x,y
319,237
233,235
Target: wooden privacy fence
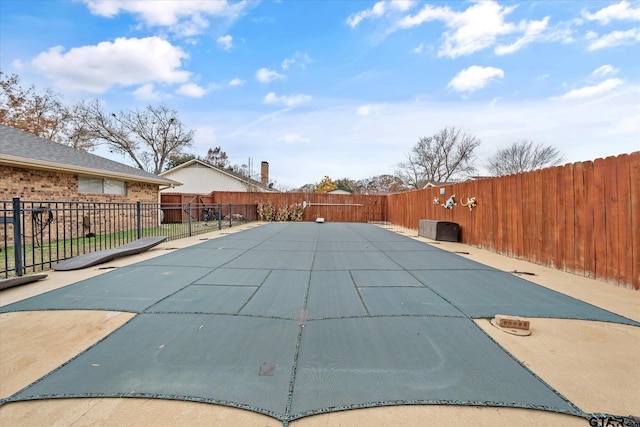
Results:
x,y
331,207
582,218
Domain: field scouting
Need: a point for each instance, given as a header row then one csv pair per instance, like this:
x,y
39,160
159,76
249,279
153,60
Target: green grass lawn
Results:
x,y
41,257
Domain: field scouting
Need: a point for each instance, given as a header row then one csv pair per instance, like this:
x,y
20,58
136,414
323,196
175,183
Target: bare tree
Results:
x,y
380,184
217,157
149,137
240,170
77,127
40,113
522,156
446,155
307,188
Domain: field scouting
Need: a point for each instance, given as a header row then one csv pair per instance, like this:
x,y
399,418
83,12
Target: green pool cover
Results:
x,y
296,319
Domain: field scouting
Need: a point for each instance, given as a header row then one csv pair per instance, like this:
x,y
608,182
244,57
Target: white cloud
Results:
x,y
123,62
418,49
146,92
376,11
293,138
614,38
592,91
192,90
236,82
402,5
563,32
482,25
205,137
367,110
472,30
288,101
622,11
301,59
225,42
186,17
532,31
604,70
630,124
591,35
379,10
474,78
426,14
18,64
265,75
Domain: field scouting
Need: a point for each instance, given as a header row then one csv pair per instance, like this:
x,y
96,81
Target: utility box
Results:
x,y
439,230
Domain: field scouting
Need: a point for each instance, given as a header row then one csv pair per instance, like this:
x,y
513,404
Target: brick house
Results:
x,y
35,168
84,192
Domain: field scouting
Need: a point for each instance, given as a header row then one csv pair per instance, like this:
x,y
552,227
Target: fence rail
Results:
x,y
35,235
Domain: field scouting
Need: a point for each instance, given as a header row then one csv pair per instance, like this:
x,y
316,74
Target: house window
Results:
x,y
101,186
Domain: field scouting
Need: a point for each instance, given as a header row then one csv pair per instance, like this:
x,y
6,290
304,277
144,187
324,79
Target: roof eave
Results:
x,y
61,167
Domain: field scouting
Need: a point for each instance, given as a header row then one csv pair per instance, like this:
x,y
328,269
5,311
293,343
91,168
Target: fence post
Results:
x,y
219,216
17,237
230,215
245,213
138,219
189,215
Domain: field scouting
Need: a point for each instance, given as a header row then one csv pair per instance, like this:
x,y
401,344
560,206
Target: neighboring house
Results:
x,y
438,184
444,183
199,177
35,168
338,191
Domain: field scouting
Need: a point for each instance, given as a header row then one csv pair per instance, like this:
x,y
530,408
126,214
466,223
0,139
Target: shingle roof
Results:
x,y
231,173
23,149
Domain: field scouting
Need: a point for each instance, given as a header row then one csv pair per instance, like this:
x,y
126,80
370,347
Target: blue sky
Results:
x,y
345,88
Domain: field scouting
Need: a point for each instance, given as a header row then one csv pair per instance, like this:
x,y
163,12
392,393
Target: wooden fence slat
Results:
x,y
517,217
560,229
624,246
549,196
569,219
478,213
489,223
499,216
509,217
597,202
634,192
526,209
475,232
612,203
538,209
589,233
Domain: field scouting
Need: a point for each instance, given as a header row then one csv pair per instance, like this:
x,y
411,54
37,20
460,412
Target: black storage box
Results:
x,y
439,230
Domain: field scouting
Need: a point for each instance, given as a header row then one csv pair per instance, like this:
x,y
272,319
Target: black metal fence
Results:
x,y
35,235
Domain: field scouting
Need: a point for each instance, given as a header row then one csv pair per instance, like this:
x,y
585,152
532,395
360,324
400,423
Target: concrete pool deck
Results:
x,y
593,364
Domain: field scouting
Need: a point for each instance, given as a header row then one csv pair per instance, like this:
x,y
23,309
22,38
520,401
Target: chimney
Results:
x,y
264,173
